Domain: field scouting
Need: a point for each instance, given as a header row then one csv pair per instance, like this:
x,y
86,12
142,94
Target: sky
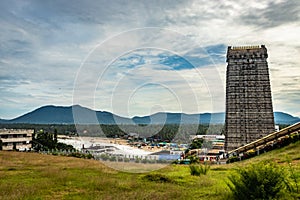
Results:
x,y
135,58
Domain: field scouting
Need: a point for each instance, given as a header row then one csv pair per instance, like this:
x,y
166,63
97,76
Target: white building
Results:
x,y
16,139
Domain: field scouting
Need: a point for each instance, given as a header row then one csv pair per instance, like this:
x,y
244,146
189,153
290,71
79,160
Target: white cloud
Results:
x,y
44,43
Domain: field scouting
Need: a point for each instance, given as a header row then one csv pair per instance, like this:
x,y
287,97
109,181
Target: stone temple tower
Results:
x,y
249,110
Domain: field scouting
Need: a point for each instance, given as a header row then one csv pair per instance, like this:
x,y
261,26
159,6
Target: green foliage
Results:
x,y
113,158
233,159
81,155
292,184
157,178
64,147
66,129
30,175
197,170
44,141
193,159
196,144
169,132
292,138
104,157
264,180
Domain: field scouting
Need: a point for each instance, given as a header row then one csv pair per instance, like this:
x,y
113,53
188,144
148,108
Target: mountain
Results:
x,y
47,115
81,115
284,118
177,118
68,115
2,121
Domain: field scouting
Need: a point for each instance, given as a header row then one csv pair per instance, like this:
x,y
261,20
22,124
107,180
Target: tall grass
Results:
x,y
198,169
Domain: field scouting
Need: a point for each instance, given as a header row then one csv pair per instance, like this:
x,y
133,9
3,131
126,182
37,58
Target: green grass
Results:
x,y
37,176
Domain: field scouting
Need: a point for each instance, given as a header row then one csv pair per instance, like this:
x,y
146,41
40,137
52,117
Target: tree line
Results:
x,y
161,132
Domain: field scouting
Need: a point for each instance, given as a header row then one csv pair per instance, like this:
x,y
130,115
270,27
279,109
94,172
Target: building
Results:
x,y
212,150
249,111
16,139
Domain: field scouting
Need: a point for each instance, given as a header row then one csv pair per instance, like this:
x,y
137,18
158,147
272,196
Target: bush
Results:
x,y
292,182
197,170
264,180
89,156
193,159
113,158
157,178
104,157
81,155
233,159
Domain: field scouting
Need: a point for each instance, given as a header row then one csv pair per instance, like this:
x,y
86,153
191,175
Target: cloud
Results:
x,y
273,14
44,43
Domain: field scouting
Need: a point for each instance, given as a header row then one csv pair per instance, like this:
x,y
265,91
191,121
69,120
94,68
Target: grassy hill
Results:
x,y
37,176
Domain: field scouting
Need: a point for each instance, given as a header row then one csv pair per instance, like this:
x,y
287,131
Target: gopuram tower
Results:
x,y
249,110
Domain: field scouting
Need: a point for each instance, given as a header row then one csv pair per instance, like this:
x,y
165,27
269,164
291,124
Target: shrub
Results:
x,y
113,158
197,170
292,182
157,178
89,156
264,180
104,157
80,155
152,161
233,159
193,159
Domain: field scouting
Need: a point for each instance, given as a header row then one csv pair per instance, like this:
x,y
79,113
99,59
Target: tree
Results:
x,y
44,141
55,136
196,143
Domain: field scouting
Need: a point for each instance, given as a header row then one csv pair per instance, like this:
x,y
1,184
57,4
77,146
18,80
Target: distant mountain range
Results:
x,y
82,115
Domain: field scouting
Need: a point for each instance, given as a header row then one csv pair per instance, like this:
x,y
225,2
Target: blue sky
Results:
x,y
140,57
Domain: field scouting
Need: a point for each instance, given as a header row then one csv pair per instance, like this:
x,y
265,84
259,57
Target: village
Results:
x,y
128,148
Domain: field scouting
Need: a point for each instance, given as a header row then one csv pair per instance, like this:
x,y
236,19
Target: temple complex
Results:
x,y
249,110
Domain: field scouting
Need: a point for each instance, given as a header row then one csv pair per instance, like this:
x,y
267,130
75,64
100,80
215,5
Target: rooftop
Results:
x,y
246,47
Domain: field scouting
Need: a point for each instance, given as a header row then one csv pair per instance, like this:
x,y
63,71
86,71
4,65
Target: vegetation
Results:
x,y
166,132
68,129
47,142
193,159
38,176
44,141
160,178
264,180
197,170
292,138
196,144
